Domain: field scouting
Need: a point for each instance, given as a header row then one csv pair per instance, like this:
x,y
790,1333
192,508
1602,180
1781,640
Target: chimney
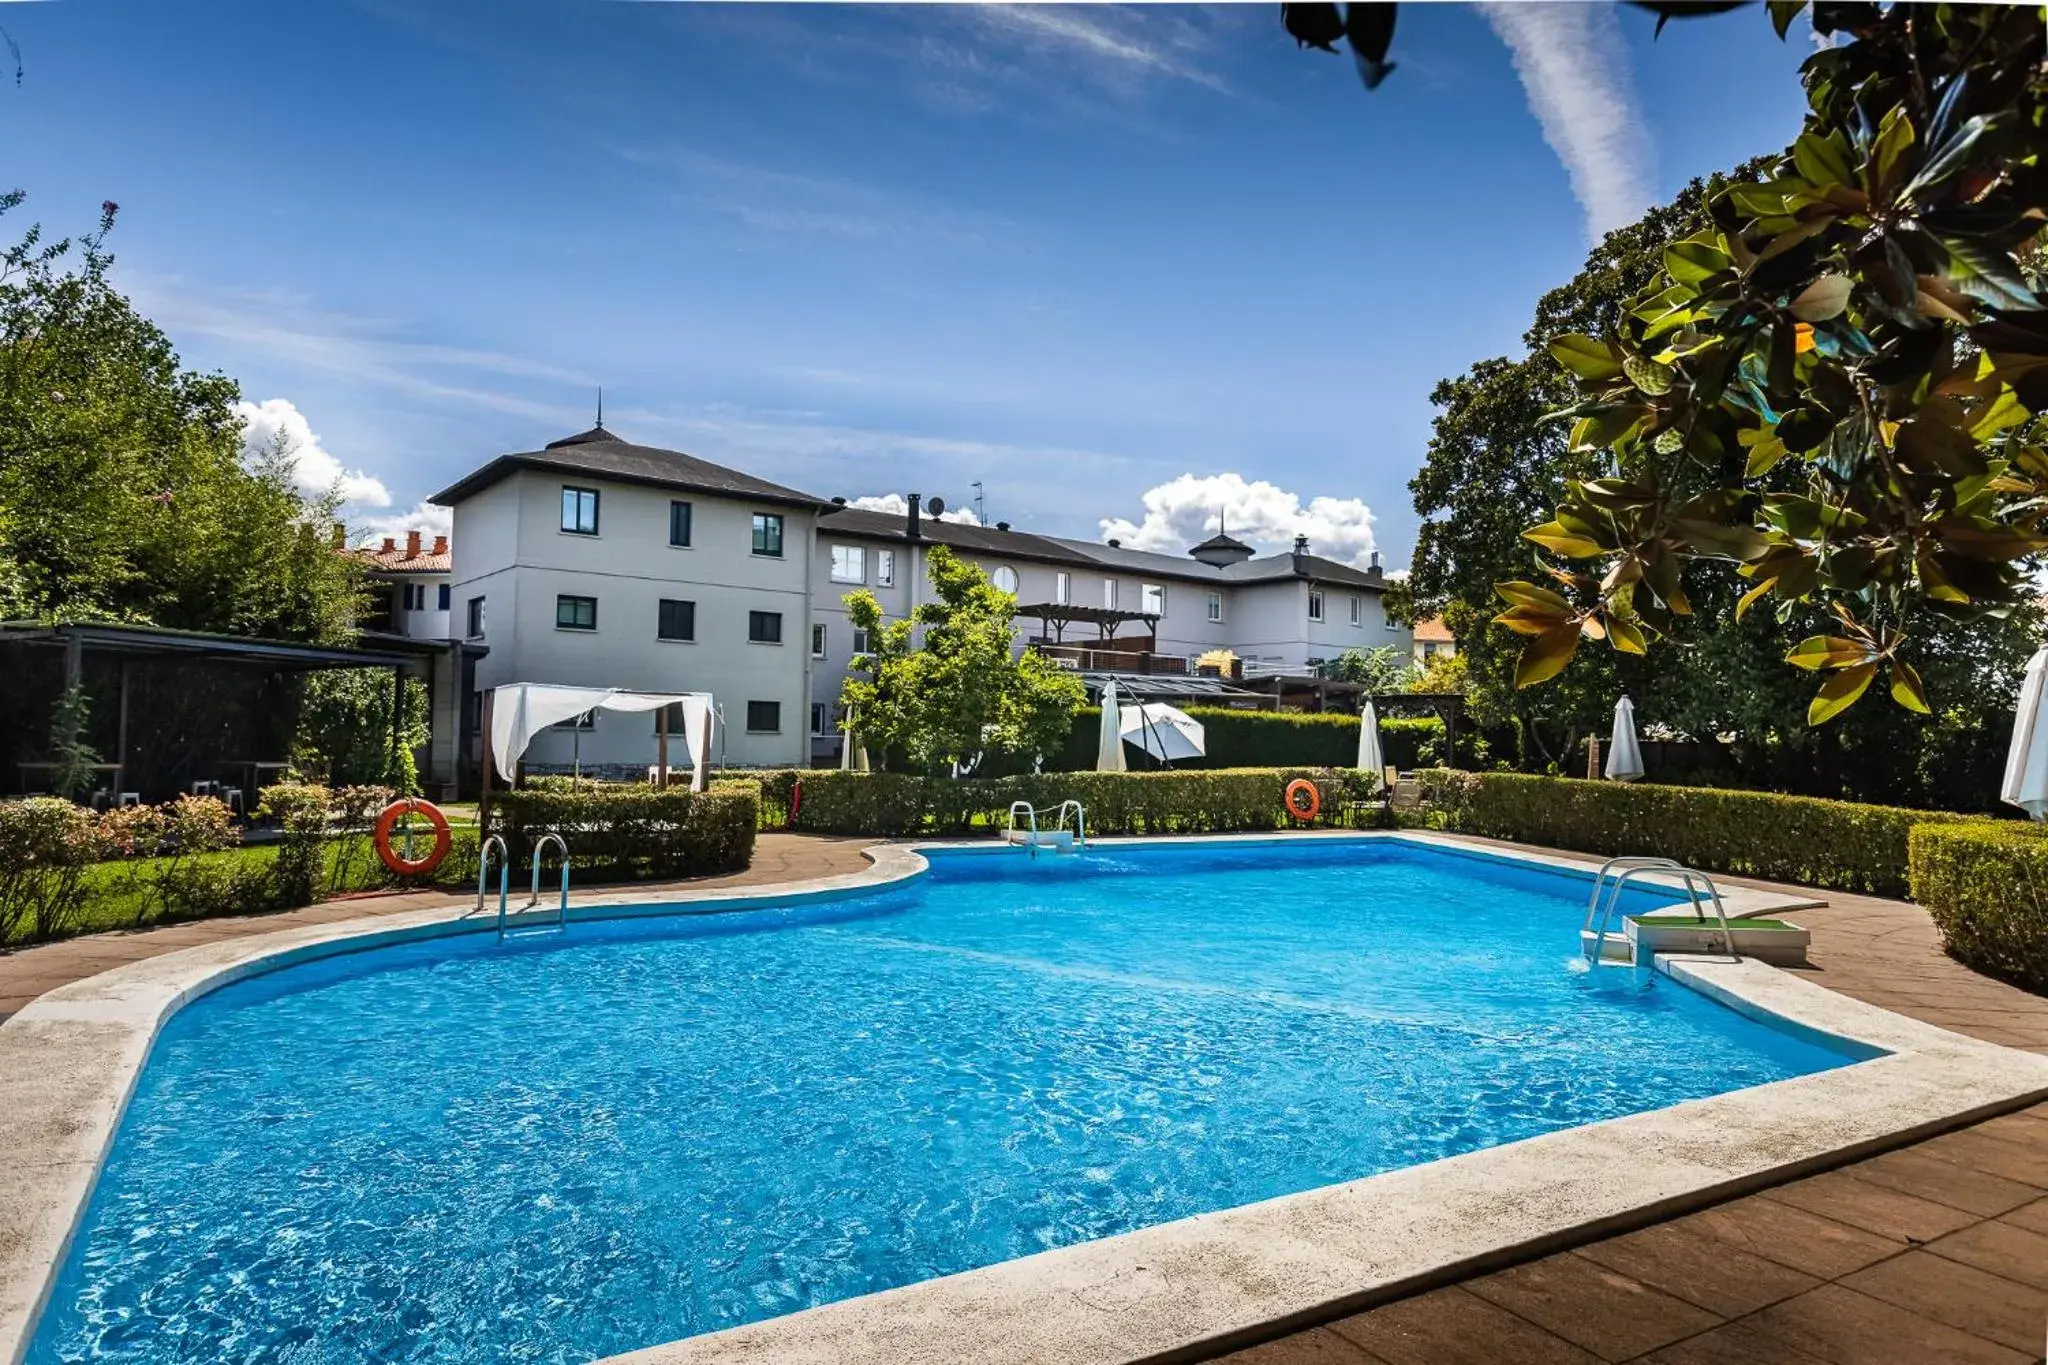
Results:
x,y
440,545
412,544
1301,545
1115,544
913,530
1002,526
340,536
389,545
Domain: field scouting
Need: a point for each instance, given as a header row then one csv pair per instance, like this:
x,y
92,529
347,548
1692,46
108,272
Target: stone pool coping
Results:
x,y
69,1060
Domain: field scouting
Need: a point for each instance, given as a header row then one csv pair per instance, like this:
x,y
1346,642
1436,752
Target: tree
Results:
x,y
124,494
1837,384
344,729
1384,669
961,691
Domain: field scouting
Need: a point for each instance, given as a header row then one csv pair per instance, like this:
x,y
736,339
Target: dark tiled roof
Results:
x,y
1088,554
599,454
1220,541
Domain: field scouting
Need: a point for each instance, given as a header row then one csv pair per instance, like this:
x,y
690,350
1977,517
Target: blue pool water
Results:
x,y
566,1147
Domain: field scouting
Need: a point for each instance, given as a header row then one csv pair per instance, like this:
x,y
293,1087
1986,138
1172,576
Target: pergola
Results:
x,y
1057,616
128,646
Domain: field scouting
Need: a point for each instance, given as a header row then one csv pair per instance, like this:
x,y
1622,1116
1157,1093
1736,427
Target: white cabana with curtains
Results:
x,y
2026,762
519,711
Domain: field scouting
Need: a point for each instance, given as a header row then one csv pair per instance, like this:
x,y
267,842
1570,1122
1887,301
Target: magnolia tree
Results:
x,y
961,691
1837,385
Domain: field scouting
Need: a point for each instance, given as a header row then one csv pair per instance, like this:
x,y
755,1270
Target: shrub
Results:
x,y
170,837
1986,884
1206,801
632,830
301,811
46,844
1802,839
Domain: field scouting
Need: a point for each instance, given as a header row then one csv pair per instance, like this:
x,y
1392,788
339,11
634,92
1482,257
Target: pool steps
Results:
x,y
528,919
1059,838
1599,947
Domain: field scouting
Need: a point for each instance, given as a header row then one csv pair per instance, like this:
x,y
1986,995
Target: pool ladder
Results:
x,y
1059,838
1606,899
483,863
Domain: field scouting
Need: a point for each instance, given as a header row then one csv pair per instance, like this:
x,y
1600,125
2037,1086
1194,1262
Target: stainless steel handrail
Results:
x,y
1080,821
1693,880
483,864
1601,884
1031,814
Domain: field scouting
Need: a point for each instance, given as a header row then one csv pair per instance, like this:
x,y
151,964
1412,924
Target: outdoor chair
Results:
x,y
233,797
131,798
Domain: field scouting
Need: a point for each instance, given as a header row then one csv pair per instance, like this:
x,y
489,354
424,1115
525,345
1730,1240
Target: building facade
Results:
x,y
601,563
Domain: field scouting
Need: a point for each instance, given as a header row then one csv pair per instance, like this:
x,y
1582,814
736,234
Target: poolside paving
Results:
x,y
1934,1252
1937,1251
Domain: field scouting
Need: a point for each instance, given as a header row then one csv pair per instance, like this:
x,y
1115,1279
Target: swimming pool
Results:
x,y
641,1130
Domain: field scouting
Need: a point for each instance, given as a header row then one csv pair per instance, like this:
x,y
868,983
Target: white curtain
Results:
x,y
519,711
2026,762
1109,744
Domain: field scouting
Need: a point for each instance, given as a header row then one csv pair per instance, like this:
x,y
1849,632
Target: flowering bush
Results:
x,y
46,844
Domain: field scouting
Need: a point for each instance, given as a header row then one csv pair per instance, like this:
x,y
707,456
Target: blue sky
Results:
x,y
1081,254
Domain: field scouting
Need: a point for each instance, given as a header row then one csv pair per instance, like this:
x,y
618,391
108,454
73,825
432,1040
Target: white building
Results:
x,y
412,587
597,562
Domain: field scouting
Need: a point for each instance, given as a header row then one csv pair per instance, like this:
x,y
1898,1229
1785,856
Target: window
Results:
x,y
1152,599
821,718
1215,606
849,564
764,717
885,568
586,720
1315,606
442,597
817,642
476,713
1357,610
768,534
764,627
406,593
1005,579
1063,588
860,641
678,620
575,613
1109,593
476,618
579,511
679,524
674,713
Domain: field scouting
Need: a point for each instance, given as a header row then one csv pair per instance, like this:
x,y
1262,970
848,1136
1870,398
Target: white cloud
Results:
x,y
1186,510
314,468
895,503
1110,35
429,518
1575,72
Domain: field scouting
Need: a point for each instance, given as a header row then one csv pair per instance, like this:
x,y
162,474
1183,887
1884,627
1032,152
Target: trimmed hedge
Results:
x,y
631,831
1986,884
1803,839
1179,802
1266,739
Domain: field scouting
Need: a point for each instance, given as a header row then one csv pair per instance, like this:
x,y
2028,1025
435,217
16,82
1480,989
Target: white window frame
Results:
x,y
1215,608
818,639
1150,593
821,718
1001,572
1315,605
857,555
1063,588
1109,594
861,643
1357,610
885,568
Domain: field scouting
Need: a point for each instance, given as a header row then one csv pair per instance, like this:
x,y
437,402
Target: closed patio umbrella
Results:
x,y
1109,743
846,747
2026,763
1624,755
1165,732
1369,758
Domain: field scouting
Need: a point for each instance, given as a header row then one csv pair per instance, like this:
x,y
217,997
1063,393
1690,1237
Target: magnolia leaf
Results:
x,y
1626,636
1520,593
1816,652
1888,152
1558,539
1695,260
1821,160
1907,689
1783,12
1527,620
1827,297
1647,375
1839,693
1763,455
1587,357
1544,657
1749,599
1592,629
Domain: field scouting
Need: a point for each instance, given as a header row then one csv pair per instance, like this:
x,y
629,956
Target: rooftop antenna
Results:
x,y
600,406
980,505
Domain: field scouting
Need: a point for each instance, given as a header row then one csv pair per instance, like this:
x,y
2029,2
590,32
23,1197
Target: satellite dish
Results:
x,y
938,506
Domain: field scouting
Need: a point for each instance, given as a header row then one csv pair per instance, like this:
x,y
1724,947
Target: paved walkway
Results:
x,y
1933,1252
1936,1252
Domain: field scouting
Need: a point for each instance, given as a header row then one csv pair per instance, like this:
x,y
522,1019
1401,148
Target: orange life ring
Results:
x,y
1301,786
412,867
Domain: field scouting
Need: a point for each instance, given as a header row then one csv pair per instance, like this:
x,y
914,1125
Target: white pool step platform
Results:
x,y
1642,936
1058,840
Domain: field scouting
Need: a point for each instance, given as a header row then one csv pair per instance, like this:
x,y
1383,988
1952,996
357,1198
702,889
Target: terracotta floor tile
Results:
x,y
1847,1328
1453,1327
1886,1212
2002,1248
1962,1296
1697,1268
2033,1217
2021,1161
1743,1342
1819,1246
1615,1316
1911,1172
1317,1346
